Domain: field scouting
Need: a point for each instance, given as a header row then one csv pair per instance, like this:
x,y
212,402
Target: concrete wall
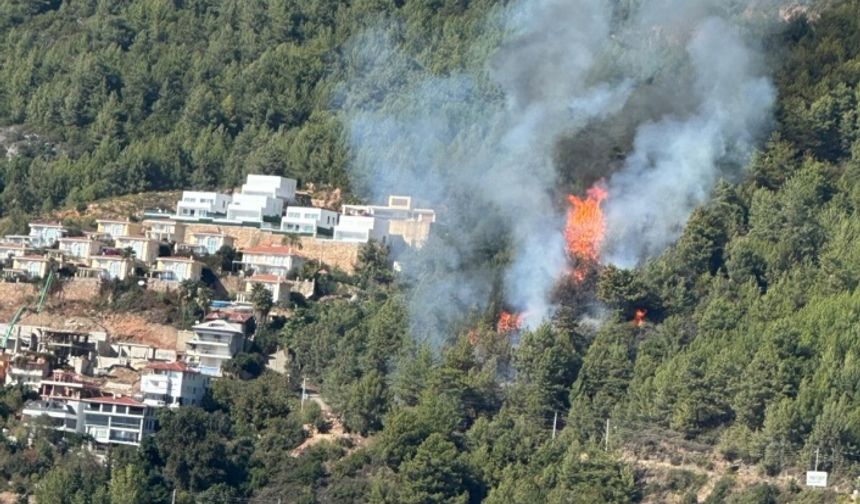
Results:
x,y
342,255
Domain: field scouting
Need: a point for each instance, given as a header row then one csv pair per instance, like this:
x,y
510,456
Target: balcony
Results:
x,y
124,437
154,384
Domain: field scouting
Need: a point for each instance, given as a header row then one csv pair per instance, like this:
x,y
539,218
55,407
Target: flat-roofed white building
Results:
x,y
46,234
271,259
145,249
202,205
360,229
254,208
214,343
411,226
271,185
308,220
80,247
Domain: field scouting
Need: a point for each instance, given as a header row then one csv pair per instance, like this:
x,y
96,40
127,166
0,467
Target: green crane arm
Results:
x,y
45,289
42,298
11,326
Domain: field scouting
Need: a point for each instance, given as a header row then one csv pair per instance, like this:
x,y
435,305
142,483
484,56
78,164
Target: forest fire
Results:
x,y
585,229
509,322
639,317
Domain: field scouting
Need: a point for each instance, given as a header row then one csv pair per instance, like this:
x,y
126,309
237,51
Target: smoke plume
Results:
x,y
481,146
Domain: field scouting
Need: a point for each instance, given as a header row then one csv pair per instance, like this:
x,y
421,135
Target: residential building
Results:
x,y
117,420
309,221
9,250
16,240
80,247
112,267
278,285
64,416
202,205
271,259
27,370
178,269
281,188
406,224
254,208
145,249
65,385
116,228
60,402
242,317
172,384
164,230
31,266
360,229
214,343
210,242
46,234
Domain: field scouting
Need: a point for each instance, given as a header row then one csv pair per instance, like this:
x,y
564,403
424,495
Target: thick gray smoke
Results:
x,y
481,146
676,161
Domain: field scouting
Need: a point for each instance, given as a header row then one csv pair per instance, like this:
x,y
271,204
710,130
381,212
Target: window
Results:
x,y
125,422
122,409
97,420
135,411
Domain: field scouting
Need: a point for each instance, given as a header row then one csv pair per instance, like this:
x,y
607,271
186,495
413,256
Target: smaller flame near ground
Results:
x,y
509,322
585,229
639,317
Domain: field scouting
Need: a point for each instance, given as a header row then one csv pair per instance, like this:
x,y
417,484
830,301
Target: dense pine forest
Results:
x,y
746,366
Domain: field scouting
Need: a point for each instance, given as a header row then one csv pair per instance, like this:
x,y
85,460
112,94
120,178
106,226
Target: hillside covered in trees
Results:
x,y
746,366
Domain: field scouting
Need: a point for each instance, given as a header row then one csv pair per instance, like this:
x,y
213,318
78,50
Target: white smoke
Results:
x,y
479,146
675,162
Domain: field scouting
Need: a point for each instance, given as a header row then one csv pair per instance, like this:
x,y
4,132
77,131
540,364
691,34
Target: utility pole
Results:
x,y
304,392
554,423
606,437
816,458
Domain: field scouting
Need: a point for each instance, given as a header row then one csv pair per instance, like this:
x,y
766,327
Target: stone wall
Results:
x,y
339,254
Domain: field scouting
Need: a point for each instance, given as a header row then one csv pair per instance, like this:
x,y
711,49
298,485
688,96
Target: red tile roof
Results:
x,y
270,249
267,279
170,366
121,400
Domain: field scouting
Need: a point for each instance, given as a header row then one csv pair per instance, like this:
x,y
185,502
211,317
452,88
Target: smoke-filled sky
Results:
x,y
680,79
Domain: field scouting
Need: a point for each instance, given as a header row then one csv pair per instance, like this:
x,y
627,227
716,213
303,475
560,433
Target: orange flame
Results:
x,y
585,229
639,317
509,322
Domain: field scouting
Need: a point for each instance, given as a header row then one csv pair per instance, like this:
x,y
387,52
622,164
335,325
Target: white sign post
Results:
x,y
816,479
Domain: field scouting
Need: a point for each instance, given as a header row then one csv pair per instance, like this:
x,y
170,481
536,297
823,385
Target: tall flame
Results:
x,y
585,229
509,322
